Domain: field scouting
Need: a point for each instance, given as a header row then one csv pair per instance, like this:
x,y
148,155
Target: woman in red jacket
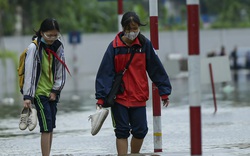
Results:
x,y
129,111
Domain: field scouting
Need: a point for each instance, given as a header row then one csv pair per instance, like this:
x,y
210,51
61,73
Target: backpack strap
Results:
x,y
35,42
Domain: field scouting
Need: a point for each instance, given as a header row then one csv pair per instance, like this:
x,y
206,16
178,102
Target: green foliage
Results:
x,y
101,16
144,17
82,15
229,13
6,19
3,4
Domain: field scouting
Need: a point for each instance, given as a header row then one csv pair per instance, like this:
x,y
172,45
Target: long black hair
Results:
x,y
129,17
46,25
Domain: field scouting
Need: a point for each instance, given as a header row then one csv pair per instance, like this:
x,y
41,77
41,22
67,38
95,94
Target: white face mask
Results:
x,y
43,40
131,35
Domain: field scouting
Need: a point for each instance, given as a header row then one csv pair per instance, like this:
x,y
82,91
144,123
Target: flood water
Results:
x,y
224,133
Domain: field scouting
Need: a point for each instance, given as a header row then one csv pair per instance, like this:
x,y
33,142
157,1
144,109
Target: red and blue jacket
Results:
x,y
136,87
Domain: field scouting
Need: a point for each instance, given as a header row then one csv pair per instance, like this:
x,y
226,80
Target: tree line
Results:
x,y
92,16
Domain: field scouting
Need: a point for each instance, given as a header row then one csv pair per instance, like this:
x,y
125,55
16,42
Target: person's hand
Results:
x,y
27,103
98,106
165,102
52,96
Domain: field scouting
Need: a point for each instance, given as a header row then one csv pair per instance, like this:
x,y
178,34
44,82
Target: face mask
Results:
x,y
47,43
131,35
42,39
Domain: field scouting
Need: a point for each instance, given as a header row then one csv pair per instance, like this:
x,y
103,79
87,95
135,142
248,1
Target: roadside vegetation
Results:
x,y
101,15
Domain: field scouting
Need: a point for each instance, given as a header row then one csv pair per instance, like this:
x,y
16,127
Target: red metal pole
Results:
x,y
212,84
194,76
120,12
153,9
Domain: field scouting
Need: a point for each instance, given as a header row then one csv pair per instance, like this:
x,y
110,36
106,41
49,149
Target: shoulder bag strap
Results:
x,y
130,60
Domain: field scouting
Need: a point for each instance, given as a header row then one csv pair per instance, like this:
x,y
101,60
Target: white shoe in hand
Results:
x,y
97,119
24,119
32,120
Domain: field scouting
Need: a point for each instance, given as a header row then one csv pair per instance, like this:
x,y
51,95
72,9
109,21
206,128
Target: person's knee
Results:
x,y
122,134
140,134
